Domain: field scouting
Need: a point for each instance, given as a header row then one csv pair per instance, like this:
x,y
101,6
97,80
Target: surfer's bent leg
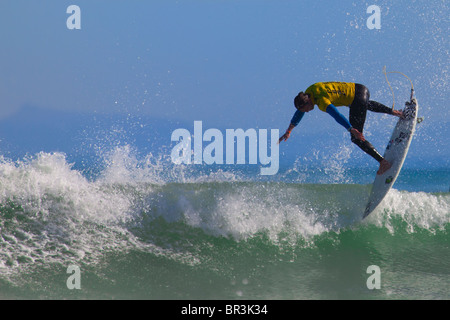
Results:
x,y
378,107
357,117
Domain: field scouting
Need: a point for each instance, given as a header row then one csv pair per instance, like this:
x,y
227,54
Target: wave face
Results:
x,y
139,229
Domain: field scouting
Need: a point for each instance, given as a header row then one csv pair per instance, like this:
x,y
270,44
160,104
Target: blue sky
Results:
x,y
228,63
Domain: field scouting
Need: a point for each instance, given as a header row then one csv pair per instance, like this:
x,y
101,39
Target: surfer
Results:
x,y
327,96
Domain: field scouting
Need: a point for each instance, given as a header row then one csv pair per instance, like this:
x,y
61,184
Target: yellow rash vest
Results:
x,y
337,93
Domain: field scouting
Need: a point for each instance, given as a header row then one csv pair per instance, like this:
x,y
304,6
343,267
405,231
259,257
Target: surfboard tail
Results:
x,y
368,210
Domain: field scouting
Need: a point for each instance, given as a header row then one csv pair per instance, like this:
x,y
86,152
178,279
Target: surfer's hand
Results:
x,y
285,136
358,135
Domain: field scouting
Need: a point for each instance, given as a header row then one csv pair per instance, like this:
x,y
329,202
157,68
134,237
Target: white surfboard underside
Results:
x,y
395,153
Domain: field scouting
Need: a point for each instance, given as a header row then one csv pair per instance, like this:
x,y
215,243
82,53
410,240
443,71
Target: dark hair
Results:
x,y
300,100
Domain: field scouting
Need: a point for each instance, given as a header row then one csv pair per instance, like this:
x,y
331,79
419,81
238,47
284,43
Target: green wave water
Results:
x,y
134,234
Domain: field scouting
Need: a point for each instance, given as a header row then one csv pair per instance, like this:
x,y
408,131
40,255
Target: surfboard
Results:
x,y
395,153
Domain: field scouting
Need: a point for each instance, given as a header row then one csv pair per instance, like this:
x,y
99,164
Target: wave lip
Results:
x,y
417,210
52,213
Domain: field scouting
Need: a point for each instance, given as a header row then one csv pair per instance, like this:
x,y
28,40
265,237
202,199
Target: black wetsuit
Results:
x,y
357,117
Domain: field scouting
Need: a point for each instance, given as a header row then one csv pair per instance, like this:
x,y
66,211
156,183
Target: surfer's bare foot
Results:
x,y
398,113
384,166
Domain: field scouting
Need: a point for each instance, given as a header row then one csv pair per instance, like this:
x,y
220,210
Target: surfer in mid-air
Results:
x,y
329,95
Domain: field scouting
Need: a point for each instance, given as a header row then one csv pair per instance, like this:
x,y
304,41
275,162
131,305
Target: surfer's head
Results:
x,y
303,102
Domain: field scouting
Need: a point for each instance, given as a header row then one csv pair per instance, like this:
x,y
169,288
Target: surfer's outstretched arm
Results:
x,y
287,134
298,115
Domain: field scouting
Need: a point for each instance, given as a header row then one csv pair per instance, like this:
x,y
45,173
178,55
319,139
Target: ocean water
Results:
x,y
139,228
